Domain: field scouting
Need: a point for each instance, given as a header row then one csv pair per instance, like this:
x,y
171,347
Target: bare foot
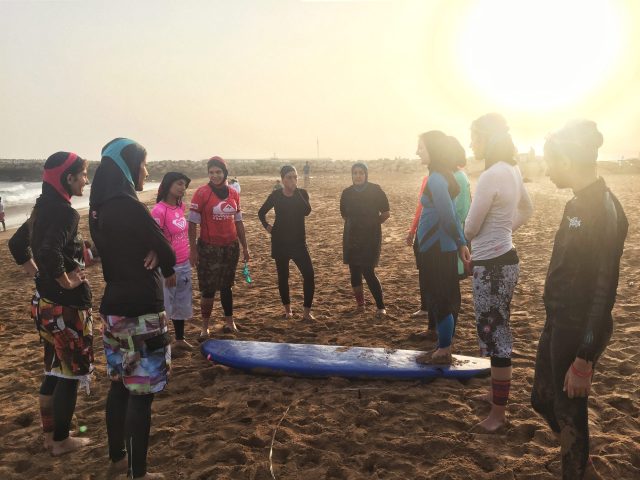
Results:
x,y
424,358
495,422
68,445
48,440
306,315
442,356
489,425
590,473
117,468
419,314
204,334
380,313
182,345
287,315
230,328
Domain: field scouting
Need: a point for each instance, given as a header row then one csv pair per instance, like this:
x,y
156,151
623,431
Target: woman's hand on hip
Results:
x,y
151,260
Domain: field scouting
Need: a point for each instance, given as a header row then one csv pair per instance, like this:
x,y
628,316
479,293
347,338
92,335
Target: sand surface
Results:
x,y
217,423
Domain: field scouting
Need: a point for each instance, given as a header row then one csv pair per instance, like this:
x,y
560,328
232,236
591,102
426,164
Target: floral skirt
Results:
x,y
67,335
138,351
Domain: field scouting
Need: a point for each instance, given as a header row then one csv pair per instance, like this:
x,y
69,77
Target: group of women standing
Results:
x,y
446,221
132,313
147,259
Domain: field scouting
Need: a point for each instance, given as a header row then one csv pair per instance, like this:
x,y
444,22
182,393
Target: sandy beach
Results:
x,y
217,423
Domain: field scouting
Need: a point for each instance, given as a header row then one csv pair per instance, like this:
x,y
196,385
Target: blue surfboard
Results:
x,y
305,360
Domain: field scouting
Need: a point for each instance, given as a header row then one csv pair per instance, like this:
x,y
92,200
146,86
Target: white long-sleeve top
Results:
x,y
500,206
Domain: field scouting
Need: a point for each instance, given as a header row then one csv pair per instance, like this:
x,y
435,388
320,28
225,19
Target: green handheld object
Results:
x,y
246,273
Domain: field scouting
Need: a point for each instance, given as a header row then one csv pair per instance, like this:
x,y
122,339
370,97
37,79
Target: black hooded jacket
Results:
x,y
124,233
56,247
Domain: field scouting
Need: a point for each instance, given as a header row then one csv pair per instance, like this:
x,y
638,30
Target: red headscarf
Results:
x,y
53,176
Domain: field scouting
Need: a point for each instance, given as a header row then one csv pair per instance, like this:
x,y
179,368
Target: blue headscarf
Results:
x,y
113,150
120,164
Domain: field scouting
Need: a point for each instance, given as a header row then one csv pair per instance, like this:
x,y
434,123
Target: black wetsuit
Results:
x,y
362,235
579,294
288,240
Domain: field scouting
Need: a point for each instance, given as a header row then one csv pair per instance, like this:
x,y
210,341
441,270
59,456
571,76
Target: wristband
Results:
x,y
580,374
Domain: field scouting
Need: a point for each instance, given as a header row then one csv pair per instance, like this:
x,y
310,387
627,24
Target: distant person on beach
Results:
x,y
579,292
134,324
288,239
233,183
169,213
500,206
215,207
49,248
439,242
277,185
306,175
4,228
364,208
456,154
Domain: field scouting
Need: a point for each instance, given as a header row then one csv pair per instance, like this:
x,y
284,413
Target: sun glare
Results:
x,y
540,55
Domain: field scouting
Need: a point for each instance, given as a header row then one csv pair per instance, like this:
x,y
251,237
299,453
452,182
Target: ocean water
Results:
x,y
19,198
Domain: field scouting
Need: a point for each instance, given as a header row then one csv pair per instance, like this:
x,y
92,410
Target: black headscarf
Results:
x,y
168,180
364,167
117,172
286,169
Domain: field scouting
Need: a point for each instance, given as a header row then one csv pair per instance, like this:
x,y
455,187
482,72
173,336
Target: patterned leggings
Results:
x,y
492,292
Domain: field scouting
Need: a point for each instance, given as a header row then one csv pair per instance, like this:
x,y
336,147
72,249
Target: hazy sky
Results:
x,y
246,79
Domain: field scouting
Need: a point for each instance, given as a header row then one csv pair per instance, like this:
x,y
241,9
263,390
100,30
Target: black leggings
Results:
x,y
226,300
65,393
178,327
567,416
357,272
128,425
303,262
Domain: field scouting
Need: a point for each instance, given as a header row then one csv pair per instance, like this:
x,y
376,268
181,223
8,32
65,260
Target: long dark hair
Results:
x,y
442,158
499,147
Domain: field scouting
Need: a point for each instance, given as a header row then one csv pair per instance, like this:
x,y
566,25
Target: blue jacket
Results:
x,y
439,222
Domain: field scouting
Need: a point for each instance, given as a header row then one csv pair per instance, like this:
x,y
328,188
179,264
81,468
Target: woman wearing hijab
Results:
x,y
216,208
501,205
135,334
462,202
169,213
439,241
364,208
49,248
288,238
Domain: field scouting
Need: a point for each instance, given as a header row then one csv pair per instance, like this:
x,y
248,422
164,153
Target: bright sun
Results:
x,y
540,55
